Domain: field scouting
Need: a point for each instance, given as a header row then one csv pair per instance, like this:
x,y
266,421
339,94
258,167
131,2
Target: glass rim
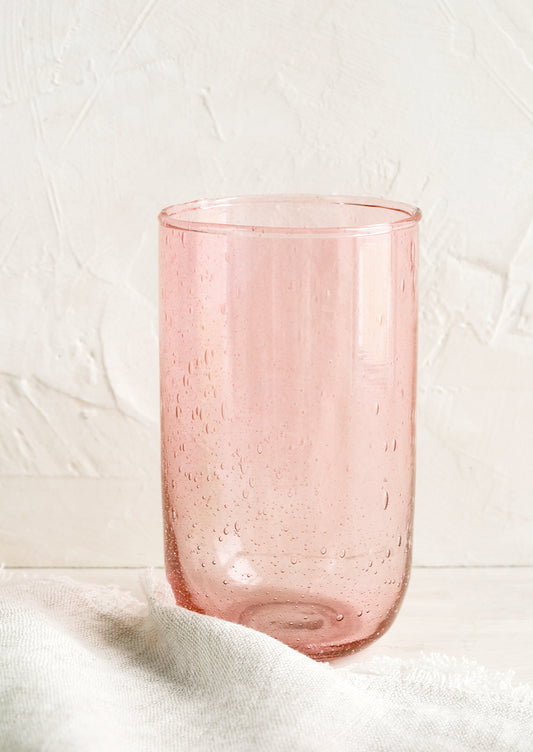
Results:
x,y
170,216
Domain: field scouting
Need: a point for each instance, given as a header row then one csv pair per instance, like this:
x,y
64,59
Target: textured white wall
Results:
x,y
110,109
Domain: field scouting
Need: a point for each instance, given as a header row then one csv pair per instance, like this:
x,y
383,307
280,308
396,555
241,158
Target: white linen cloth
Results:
x,y
91,668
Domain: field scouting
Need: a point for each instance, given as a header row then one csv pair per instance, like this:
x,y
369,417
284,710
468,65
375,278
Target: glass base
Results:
x,y
321,631
321,628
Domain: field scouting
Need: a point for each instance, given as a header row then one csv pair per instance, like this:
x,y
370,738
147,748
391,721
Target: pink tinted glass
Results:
x,y
288,376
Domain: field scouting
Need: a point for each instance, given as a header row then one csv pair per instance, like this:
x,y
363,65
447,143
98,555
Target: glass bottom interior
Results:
x,y
316,629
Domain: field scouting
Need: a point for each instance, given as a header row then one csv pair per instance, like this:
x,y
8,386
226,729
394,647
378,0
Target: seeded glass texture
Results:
x,y
288,377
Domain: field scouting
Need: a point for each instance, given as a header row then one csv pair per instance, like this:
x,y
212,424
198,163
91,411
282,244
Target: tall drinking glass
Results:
x,y
288,377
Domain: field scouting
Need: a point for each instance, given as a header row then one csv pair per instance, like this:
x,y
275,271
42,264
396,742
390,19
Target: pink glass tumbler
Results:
x,y
288,378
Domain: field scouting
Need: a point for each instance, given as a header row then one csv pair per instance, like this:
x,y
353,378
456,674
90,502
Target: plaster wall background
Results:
x,y
110,110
